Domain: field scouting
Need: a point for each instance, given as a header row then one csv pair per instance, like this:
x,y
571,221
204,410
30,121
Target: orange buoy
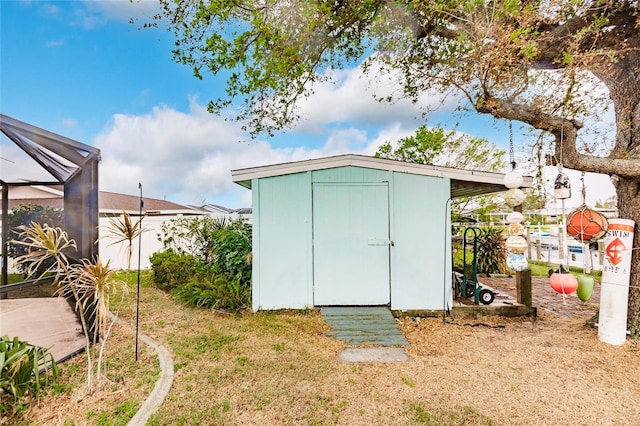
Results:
x,y
586,225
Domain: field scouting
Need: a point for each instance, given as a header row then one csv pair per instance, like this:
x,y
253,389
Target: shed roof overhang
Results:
x,y
464,183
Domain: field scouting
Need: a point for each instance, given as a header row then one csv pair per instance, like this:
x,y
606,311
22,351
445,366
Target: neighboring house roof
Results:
x,y
113,202
213,208
109,202
464,183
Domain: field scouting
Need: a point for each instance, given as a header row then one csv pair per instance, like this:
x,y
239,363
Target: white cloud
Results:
x,y
187,157
54,43
351,97
69,122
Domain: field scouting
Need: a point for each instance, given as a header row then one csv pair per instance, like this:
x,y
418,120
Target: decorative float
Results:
x,y
586,225
516,244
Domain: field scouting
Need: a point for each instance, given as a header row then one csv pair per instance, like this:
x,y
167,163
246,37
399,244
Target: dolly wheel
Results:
x,y
486,296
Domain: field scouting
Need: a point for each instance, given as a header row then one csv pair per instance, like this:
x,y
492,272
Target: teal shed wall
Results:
x,y
282,257
421,255
419,269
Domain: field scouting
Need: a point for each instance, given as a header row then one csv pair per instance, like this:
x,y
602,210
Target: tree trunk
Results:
x,y
628,191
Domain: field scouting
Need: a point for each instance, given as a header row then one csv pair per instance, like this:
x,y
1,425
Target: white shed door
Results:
x,y
351,244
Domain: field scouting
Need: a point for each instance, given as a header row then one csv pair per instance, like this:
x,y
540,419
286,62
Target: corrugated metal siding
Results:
x,y
282,242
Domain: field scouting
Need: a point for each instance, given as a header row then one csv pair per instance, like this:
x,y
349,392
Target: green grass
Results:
x,y
541,269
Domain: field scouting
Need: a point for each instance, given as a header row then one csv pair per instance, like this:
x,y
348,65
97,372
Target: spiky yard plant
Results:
x,y
93,284
89,282
123,230
46,246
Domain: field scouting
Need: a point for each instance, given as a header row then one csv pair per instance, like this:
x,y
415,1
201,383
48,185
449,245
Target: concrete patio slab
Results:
x,y
48,322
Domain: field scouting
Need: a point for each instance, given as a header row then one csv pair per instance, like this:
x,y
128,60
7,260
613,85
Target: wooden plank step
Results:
x,y
364,325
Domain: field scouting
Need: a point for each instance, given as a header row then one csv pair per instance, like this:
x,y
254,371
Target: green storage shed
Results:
x,y
352,230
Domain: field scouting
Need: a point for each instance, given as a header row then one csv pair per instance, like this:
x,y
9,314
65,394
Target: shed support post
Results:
x,y
523,287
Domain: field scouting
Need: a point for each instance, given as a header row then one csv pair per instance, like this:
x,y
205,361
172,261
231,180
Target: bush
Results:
x,y
232,251
492,252
20,376
215,293
206,262
25,215
171,270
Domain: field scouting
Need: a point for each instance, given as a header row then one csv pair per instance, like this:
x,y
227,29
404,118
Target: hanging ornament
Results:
x,y
584,224
515,217
562,185
585,287
563,282
513,179
516,244
517,262
514,197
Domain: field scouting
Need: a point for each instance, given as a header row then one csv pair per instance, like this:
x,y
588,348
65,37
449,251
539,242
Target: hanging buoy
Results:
x,y
562,185
586,225
517,262
585,287
513,179
516,244
563,282
514,197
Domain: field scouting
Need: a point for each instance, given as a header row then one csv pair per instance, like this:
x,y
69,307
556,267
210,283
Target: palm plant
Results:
x,y
90,282
45,246
124,230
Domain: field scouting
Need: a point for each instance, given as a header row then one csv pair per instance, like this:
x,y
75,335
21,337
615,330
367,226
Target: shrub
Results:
x,y
206,262
20,366
171,269
232,251
492,252
25,215
218,292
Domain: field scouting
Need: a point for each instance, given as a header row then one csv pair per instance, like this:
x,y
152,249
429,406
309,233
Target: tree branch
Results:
x,y
565,131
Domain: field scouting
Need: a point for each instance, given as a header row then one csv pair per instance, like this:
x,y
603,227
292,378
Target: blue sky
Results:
x,y
80,69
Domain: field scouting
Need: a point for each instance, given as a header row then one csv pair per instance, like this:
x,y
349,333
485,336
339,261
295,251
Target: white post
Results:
x,y
614,293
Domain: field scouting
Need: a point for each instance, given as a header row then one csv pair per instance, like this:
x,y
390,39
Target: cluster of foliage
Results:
x,y
490,253
20,373
24,215
445,148
206,262
89,284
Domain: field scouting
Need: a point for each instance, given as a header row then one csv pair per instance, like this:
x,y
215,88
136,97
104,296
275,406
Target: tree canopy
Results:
x,y
534,61
445,148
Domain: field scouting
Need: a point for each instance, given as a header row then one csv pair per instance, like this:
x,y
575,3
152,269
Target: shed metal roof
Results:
x,y
464,183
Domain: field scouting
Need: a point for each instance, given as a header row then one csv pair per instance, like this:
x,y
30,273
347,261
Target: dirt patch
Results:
x,y
281,368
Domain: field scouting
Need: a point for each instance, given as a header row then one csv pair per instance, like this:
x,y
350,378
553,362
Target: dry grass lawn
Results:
x,y
280,369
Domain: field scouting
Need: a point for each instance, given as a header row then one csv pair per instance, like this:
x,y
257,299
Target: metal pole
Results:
x,y
5,235
139,256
